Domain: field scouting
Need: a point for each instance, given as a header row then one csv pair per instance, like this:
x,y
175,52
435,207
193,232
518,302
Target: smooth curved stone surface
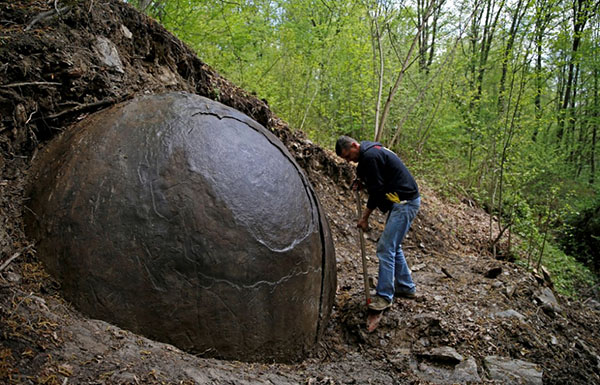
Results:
x,y
182,219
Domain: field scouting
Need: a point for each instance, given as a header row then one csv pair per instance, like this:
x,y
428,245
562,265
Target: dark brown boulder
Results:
x,y
184,220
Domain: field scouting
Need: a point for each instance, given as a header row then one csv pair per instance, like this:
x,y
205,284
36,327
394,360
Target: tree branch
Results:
x,y
82,107
45,15
13,85
9,260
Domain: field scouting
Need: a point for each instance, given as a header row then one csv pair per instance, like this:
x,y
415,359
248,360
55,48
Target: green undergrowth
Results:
x,y
570,277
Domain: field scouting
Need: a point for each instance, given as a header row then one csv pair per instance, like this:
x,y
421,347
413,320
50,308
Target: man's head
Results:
x,y
347,148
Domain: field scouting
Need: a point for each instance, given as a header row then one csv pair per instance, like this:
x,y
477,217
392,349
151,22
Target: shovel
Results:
x,y
373,316
363,253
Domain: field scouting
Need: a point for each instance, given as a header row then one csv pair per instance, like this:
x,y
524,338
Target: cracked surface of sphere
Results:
x,y
184,220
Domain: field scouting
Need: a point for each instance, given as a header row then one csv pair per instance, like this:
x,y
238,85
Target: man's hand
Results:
x,y
363,224
356,185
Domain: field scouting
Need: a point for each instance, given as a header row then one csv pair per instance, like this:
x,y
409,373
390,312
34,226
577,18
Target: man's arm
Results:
x,y
371,173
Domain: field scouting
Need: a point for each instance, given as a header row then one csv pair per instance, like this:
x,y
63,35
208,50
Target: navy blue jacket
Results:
x,y
382,172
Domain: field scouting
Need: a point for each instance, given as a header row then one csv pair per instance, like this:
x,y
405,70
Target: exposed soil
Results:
x,y
53,73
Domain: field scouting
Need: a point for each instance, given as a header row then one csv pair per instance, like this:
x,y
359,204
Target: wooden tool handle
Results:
x,y
363,253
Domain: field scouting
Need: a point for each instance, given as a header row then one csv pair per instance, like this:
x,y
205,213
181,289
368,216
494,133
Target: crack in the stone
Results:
x,y
272,284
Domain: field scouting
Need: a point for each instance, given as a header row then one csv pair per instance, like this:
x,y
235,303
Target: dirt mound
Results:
x,y
60,62
63,60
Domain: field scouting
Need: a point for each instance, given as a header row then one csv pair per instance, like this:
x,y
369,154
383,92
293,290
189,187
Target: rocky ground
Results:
x,y
476,319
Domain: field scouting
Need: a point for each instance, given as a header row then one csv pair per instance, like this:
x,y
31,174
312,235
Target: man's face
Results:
x,y
351,153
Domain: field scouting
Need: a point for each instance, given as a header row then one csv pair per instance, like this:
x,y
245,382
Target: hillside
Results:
x,y
476,318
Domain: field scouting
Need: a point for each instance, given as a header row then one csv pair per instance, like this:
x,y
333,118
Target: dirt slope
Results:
x,y
59,63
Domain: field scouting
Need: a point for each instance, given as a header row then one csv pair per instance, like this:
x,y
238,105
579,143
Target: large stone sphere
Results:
x,y
182,219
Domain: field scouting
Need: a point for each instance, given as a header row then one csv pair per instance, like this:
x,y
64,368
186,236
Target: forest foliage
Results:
x,y
495,100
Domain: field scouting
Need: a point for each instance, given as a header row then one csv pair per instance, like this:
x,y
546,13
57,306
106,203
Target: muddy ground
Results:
x,y
58,63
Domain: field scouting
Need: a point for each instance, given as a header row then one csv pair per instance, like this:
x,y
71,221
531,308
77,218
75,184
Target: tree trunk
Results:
x,y
143,5
491,22
508,136
405,65
516,21
377,43
572,115
427,38
424,33
436,15
541,23
581,10
594,129
447,61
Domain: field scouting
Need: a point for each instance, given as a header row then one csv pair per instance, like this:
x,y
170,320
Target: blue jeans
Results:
x,y
392,264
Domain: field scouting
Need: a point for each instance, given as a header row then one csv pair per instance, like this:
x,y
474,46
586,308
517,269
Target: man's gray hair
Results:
x,y
343,143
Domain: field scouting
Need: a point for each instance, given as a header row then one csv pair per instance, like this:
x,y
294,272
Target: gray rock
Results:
x,y
108,53
13,277
126,32
510,290
593,304
428,320
418,267
444,354
125,377
509,371
548,301
166,76
510,314
464,372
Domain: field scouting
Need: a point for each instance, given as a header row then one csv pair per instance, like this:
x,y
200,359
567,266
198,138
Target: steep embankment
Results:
x,y
59,63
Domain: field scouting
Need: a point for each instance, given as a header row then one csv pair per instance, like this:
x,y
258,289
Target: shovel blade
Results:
x,y
373,319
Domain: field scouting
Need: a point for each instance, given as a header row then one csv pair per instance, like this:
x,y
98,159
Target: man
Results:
x,y
392,189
